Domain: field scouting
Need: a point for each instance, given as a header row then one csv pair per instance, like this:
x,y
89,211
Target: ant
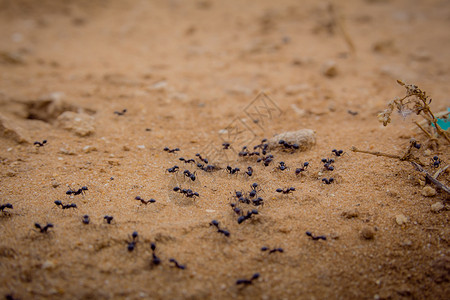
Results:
x,y
255,188
340,152
65,206
327,164
282,166
39,144
266,160
171,150
121,113
205,160
190,175
222,231
263,146
134,240
249,171
236,209
273,250
155,259
187,161
81,190
187,192
182,267
304,168
247,281
174,169
85,219
43,229
258,201
316,237
208,168
226,146
247,216
286,191
232,171
7,205
435,161
328,181
288,145
108,219
145,201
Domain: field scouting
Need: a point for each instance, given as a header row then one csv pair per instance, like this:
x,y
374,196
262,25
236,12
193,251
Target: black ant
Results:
x,y
81,190
85,219
435,161
65,206
187,161
121,113
155,259
286,191
247,216
232,171
134,240
304,168
145,201
190,175
39,144
282,166
327,164
174,169
249,171
205,160
255,188
171,150
263,146
182,267
222,231
247,281
328,181
186,192
108,219
7,205
316,237
272,250
288,145
266,160
208,168
258,201
226,146
43,229
236,209
338,152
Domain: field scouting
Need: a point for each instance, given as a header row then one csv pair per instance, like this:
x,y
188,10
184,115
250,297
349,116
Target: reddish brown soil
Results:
x,y
185,70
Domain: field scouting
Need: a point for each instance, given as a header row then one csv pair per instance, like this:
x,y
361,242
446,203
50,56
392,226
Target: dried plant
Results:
x,y
415,101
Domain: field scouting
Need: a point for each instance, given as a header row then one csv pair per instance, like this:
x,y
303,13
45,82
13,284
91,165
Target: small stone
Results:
x,y
79,123
9,129
66,151
89,149
437,207
11,173
401,219
141,146
367,233
349,214
55,184
428,191
113,162
427,152
48,264
126,148
329,68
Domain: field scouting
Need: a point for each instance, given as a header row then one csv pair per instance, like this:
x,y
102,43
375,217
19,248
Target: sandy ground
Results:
x,y
189,74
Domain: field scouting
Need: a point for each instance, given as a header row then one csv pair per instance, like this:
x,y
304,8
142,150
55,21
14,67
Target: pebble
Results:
x,y
437,207
55,184
141,146
349,214
80,123
11,173
428,191
66,151
89,149
367,233
9,129
329,68
401,219
305,138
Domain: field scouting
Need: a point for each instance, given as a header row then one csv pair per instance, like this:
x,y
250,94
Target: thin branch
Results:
x,y
431,178
377,153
